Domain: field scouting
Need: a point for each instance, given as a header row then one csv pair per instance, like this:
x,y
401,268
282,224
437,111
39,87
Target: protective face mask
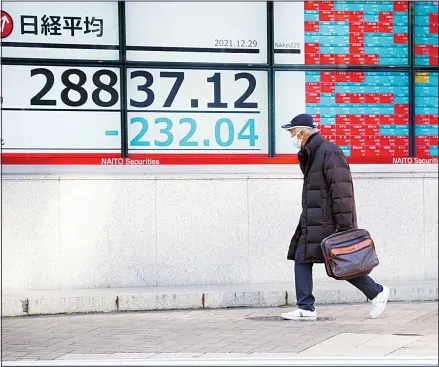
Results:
x,y
297,143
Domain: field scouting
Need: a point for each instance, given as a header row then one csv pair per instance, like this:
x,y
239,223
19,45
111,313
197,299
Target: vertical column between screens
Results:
x,y
411,45
123,80
411,31
271,94
412,127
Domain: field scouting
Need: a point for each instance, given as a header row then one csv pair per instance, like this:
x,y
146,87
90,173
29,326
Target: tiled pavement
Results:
x,y
405,329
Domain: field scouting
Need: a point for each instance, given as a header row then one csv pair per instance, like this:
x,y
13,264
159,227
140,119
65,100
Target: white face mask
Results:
x,y
297,143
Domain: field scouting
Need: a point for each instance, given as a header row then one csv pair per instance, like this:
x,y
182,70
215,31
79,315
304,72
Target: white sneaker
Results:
x,y
299,314
379,303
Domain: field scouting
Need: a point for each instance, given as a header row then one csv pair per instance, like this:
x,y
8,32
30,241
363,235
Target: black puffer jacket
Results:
x,y
328,203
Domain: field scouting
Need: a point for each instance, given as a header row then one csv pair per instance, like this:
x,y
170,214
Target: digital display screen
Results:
x,y
184,112
426,33
342,33
426,114
200,32
365,113
51,110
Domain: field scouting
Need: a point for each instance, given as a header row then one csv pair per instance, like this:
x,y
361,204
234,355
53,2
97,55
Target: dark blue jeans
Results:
x,y
304,285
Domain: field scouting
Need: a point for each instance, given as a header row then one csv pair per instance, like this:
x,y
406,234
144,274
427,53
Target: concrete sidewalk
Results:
x,y
49,302
404,330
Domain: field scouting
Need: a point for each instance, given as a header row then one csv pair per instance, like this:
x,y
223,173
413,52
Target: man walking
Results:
x,y
328,206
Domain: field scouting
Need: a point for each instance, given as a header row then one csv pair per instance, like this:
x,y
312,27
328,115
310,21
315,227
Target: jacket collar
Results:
x,y
313,143
308,151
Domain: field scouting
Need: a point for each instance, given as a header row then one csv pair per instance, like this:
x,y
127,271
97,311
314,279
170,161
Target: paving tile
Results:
x,y
78,357
386,340
429,338
18,354
407,352
223,355
422,345
270,356
338,344
169,356
368,352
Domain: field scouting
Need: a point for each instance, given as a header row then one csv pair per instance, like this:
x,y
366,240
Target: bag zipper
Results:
x,y
341,243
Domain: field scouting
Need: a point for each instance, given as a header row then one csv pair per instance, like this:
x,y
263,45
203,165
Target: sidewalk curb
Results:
x,y
51,302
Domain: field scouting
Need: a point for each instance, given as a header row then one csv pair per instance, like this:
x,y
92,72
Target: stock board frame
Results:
x,y
270,67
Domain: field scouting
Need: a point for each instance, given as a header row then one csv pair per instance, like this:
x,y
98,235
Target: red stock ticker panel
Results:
x,y
426,33
365,113
356,33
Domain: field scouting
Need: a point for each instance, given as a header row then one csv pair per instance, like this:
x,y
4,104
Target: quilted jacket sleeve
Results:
x,y
338,177
294,242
